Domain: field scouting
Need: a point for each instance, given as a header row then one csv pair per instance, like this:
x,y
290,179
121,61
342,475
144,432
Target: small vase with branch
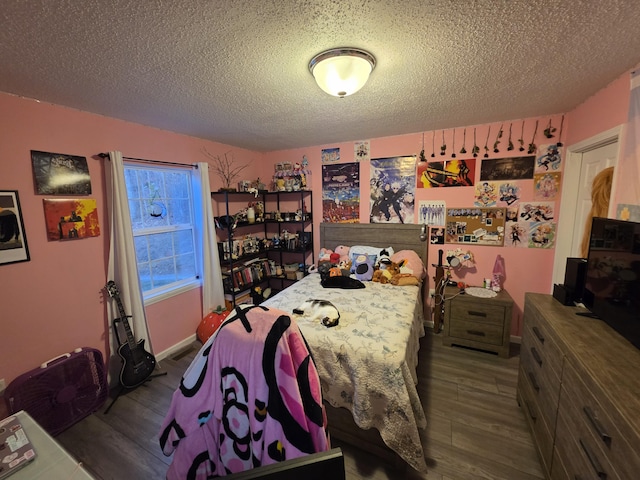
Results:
x,y
225,167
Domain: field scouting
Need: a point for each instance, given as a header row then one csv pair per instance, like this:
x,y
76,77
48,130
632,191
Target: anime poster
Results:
x,y
452,173
542,235
361,151
536,211
550,160
341,193
59,174
71,219
393,190
546,185
432,213
511,213
486,194
509,193
330,155
516,234
515,168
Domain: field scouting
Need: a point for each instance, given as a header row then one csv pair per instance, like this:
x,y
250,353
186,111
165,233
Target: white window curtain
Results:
x,y
123,269
212,291
628,168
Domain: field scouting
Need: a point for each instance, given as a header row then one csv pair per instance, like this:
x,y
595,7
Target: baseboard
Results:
x,y
515,339
178,347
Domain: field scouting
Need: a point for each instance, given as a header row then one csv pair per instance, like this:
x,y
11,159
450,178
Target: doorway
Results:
x,y
583,162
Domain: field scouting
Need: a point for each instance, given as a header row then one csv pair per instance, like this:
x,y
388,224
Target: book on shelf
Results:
x,y
245,275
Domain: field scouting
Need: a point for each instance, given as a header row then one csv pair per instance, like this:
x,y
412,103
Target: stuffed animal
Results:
x,y
324,255
384,259
343,251
334,258
363,268
403,279
385,275
345,266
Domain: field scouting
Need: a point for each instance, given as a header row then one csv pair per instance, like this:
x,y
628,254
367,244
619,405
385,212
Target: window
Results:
x,y
164,230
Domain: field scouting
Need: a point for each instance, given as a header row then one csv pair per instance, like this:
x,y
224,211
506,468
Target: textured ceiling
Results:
x,y
236,71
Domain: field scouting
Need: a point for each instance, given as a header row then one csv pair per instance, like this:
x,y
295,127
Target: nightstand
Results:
x,y
476,322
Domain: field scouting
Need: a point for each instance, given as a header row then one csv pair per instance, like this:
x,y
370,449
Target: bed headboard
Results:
x,y
399,236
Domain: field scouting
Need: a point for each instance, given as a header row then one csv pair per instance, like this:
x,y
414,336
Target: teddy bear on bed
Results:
x,y
384,275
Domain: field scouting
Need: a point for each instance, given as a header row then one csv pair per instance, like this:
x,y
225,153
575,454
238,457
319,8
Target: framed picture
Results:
x,y
71,219
60,174
13,241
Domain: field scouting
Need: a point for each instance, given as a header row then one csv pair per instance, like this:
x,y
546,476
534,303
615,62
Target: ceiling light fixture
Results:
x,y
342,71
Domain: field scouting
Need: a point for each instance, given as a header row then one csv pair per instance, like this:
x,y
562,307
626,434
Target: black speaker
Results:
x,y
575,277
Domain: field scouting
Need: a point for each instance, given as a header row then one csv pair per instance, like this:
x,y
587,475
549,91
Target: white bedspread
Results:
x,y
367,363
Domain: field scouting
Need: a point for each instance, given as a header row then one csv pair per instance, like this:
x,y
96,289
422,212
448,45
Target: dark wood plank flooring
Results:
x,y
476,429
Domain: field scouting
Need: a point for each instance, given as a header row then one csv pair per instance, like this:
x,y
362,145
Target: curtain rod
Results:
x,y
161,162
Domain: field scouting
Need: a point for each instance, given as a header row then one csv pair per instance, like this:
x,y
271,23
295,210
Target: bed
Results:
x,y
367,363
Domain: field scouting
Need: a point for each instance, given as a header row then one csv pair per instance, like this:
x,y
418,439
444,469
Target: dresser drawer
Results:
x,y
472,311
598,422
578,462
539,428
480,332
545,387
538,341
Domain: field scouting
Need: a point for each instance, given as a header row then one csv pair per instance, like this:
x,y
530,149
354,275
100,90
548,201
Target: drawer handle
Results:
x,y
536,356
602,433
538,334
476,313
534,382
593,461
531,412
476,332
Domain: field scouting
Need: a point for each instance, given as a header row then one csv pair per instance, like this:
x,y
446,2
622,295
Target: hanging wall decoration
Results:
x,y
475,148
452,173
362,151
443,147
60,174
521,139
486,143
422,157
393,183
453,145
514,168
549,160
330,155
497,141
341,193
536,211
71,219
532,145
13,240
510,142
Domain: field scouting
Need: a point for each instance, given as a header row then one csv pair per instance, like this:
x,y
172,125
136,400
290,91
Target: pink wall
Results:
x,y
55,302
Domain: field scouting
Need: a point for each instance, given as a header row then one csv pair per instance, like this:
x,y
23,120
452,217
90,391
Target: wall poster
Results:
x,y
60,174
475,226
452,173
71,219
341,193
13,241
392,190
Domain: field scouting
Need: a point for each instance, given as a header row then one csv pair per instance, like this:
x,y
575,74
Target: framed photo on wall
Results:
x,y
13,241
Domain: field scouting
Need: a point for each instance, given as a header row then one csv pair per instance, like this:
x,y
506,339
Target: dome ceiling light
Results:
x,y
342,71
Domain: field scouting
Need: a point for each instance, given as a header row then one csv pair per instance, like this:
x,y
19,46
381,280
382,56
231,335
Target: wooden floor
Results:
x,y
476,429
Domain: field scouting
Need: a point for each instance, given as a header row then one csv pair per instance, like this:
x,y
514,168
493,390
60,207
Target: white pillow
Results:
x,y
368,250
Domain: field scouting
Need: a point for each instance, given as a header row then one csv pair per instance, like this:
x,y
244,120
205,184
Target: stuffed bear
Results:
x,y
343,251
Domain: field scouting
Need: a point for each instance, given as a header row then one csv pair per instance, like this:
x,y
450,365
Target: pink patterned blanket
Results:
x,y
251,397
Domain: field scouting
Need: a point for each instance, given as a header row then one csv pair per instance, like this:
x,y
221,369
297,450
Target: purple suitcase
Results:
x,y
62,390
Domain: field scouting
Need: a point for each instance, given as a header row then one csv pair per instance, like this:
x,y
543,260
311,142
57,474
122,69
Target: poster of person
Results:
x,y
330,155
452,173
486,194
432,213
515,168
60,174
516,234
536,211
71,219
550,160
361,151
392,189
542,235
509,193
546,185
436,236
341,193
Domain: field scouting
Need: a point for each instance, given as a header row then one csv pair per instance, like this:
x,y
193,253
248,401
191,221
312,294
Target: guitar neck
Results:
x,y
125,323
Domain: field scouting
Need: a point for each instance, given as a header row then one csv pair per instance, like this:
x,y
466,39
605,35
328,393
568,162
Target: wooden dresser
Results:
x,y
579,388
482,323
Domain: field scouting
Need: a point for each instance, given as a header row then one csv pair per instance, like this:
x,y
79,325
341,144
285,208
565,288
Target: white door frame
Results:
x,y
570,190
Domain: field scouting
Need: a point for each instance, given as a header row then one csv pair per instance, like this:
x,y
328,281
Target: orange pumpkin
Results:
x,y
211,323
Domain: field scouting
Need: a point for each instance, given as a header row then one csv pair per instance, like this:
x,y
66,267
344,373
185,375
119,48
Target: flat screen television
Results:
x,y
612,281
